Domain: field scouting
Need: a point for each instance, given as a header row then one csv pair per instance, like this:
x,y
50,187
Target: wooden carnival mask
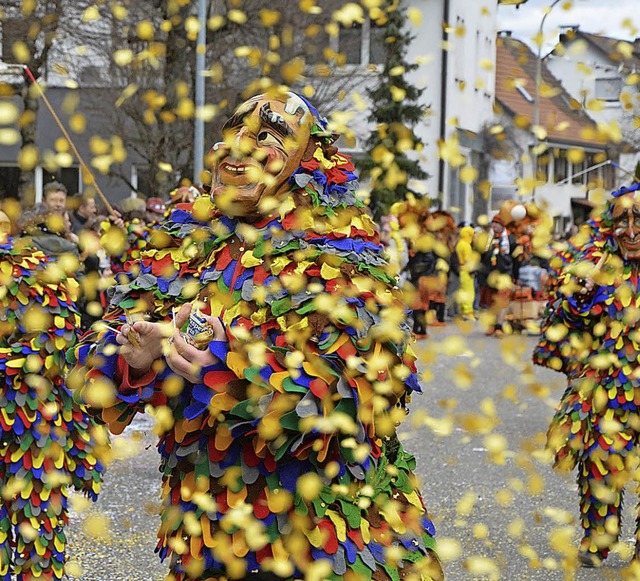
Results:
x,y
264,142
626,225
5,227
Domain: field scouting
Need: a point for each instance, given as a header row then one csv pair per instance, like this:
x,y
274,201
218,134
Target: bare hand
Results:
x,y
588,281
141,344
116,219
187,360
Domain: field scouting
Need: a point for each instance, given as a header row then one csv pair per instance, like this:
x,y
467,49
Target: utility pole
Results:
x,y
198,141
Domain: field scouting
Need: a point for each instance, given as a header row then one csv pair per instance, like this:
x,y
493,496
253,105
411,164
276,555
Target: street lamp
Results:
x,y
536,102
536,98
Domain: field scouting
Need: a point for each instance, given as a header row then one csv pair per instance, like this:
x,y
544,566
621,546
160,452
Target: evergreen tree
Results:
x,y
395,111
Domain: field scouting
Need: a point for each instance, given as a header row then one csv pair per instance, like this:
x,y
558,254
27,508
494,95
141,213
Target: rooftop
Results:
x,y
561,115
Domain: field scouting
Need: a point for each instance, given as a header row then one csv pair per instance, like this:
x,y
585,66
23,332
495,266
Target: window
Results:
x,y
501,193
560,165
314,51
608,89
351,44
542,167
377,44
457,195
363,44
68,176
577,177
9,181
460,52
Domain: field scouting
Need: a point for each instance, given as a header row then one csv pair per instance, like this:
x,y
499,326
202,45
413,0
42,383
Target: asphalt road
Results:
x,y
501,512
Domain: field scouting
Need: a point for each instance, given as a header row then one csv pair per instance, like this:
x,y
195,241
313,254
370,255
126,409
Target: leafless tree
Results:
x,y
29,31
138,80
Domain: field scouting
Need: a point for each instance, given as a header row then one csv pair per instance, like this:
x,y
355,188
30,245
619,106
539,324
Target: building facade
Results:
x,y
559,163
602,74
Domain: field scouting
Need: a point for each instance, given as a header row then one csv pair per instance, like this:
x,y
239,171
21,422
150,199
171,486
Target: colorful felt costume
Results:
x,y
590,334
126,244
47,440
285,457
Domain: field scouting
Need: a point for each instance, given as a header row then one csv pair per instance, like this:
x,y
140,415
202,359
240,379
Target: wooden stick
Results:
x,y
85,167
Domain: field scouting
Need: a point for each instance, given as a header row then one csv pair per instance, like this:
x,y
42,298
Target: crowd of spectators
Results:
x,y
459,271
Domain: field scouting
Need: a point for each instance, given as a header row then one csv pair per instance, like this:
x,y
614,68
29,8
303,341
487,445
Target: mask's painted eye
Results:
x,y
267,138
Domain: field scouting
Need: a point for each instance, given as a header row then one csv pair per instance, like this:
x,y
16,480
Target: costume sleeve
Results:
x,y
570,317
154,289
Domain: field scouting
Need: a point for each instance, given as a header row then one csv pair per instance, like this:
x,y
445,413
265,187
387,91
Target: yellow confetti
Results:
x,y
90,14
144,30
97,526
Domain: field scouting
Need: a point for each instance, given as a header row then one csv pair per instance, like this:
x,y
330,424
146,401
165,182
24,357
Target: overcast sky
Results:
x,y
614,18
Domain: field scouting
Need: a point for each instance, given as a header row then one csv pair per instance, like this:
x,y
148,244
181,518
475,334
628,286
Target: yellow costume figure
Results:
x,y
468,262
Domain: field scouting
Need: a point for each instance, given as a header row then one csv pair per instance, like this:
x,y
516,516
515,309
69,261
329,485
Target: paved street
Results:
x,y
500,510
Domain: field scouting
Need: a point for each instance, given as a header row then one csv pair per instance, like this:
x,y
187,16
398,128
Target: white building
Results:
x,y
455,47
601,73
569,155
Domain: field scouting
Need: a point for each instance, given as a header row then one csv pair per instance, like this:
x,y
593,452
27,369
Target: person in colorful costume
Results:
x,y
47,441
589,335
280,457
441,229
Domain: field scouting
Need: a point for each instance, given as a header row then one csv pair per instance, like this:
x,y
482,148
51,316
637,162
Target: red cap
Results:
x,y
156,205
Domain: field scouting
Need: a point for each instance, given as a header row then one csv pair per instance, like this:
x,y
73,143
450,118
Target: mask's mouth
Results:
x,y
238,174
630,247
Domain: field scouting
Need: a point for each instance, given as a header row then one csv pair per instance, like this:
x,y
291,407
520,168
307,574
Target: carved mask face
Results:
x,y
5,226
626,226
264,142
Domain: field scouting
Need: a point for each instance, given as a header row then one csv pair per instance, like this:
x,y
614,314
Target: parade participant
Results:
x,y
590,335
412,214
468,260
183,195
286,369
47,441
442,230
420,266
497,273
396,247
132,208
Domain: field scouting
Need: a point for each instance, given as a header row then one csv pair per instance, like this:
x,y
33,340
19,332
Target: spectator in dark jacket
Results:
x,y
83,214
497,273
